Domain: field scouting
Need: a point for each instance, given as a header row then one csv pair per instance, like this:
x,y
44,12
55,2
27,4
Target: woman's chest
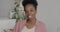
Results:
x,y
25,29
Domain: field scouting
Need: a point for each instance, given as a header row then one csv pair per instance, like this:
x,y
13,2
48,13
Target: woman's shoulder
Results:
x,y
40,22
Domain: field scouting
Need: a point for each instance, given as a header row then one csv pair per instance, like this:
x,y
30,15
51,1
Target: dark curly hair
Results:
x,y
33,2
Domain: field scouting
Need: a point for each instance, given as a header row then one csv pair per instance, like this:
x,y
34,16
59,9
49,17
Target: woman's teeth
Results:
x,y
30,16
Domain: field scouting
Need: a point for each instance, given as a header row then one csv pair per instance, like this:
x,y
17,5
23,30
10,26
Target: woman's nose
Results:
x,y
29,12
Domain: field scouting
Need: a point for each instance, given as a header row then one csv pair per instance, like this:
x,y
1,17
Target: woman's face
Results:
x,y
30,11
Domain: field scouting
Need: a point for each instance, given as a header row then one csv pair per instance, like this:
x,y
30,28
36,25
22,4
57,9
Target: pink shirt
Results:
x,y
40,27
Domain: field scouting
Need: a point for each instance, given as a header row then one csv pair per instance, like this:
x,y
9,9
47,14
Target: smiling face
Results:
x,y
30,11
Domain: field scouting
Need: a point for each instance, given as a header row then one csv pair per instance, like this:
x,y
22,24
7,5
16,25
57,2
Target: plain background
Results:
x,y
48,11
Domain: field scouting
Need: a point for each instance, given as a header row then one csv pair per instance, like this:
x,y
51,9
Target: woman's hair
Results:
x,y
33,2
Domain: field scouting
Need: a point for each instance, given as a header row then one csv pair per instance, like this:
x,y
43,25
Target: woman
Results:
x,y
31,24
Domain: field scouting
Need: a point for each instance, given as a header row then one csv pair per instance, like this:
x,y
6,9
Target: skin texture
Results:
x,y
30,12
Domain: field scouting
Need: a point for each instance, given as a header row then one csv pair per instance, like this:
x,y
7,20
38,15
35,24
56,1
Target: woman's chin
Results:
x,y
30,18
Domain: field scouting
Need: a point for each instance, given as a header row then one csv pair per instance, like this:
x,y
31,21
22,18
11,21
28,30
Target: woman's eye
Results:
x,y
31,10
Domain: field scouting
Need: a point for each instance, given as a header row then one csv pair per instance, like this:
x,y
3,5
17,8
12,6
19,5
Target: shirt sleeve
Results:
x,y
44,28
16,27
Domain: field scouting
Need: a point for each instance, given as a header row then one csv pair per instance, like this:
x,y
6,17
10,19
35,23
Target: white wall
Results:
x,y
48,12
5,7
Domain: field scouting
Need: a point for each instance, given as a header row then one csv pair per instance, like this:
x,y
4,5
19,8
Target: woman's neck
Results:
x,y
30,23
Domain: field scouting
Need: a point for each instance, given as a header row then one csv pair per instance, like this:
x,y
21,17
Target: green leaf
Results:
x,y
17,5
